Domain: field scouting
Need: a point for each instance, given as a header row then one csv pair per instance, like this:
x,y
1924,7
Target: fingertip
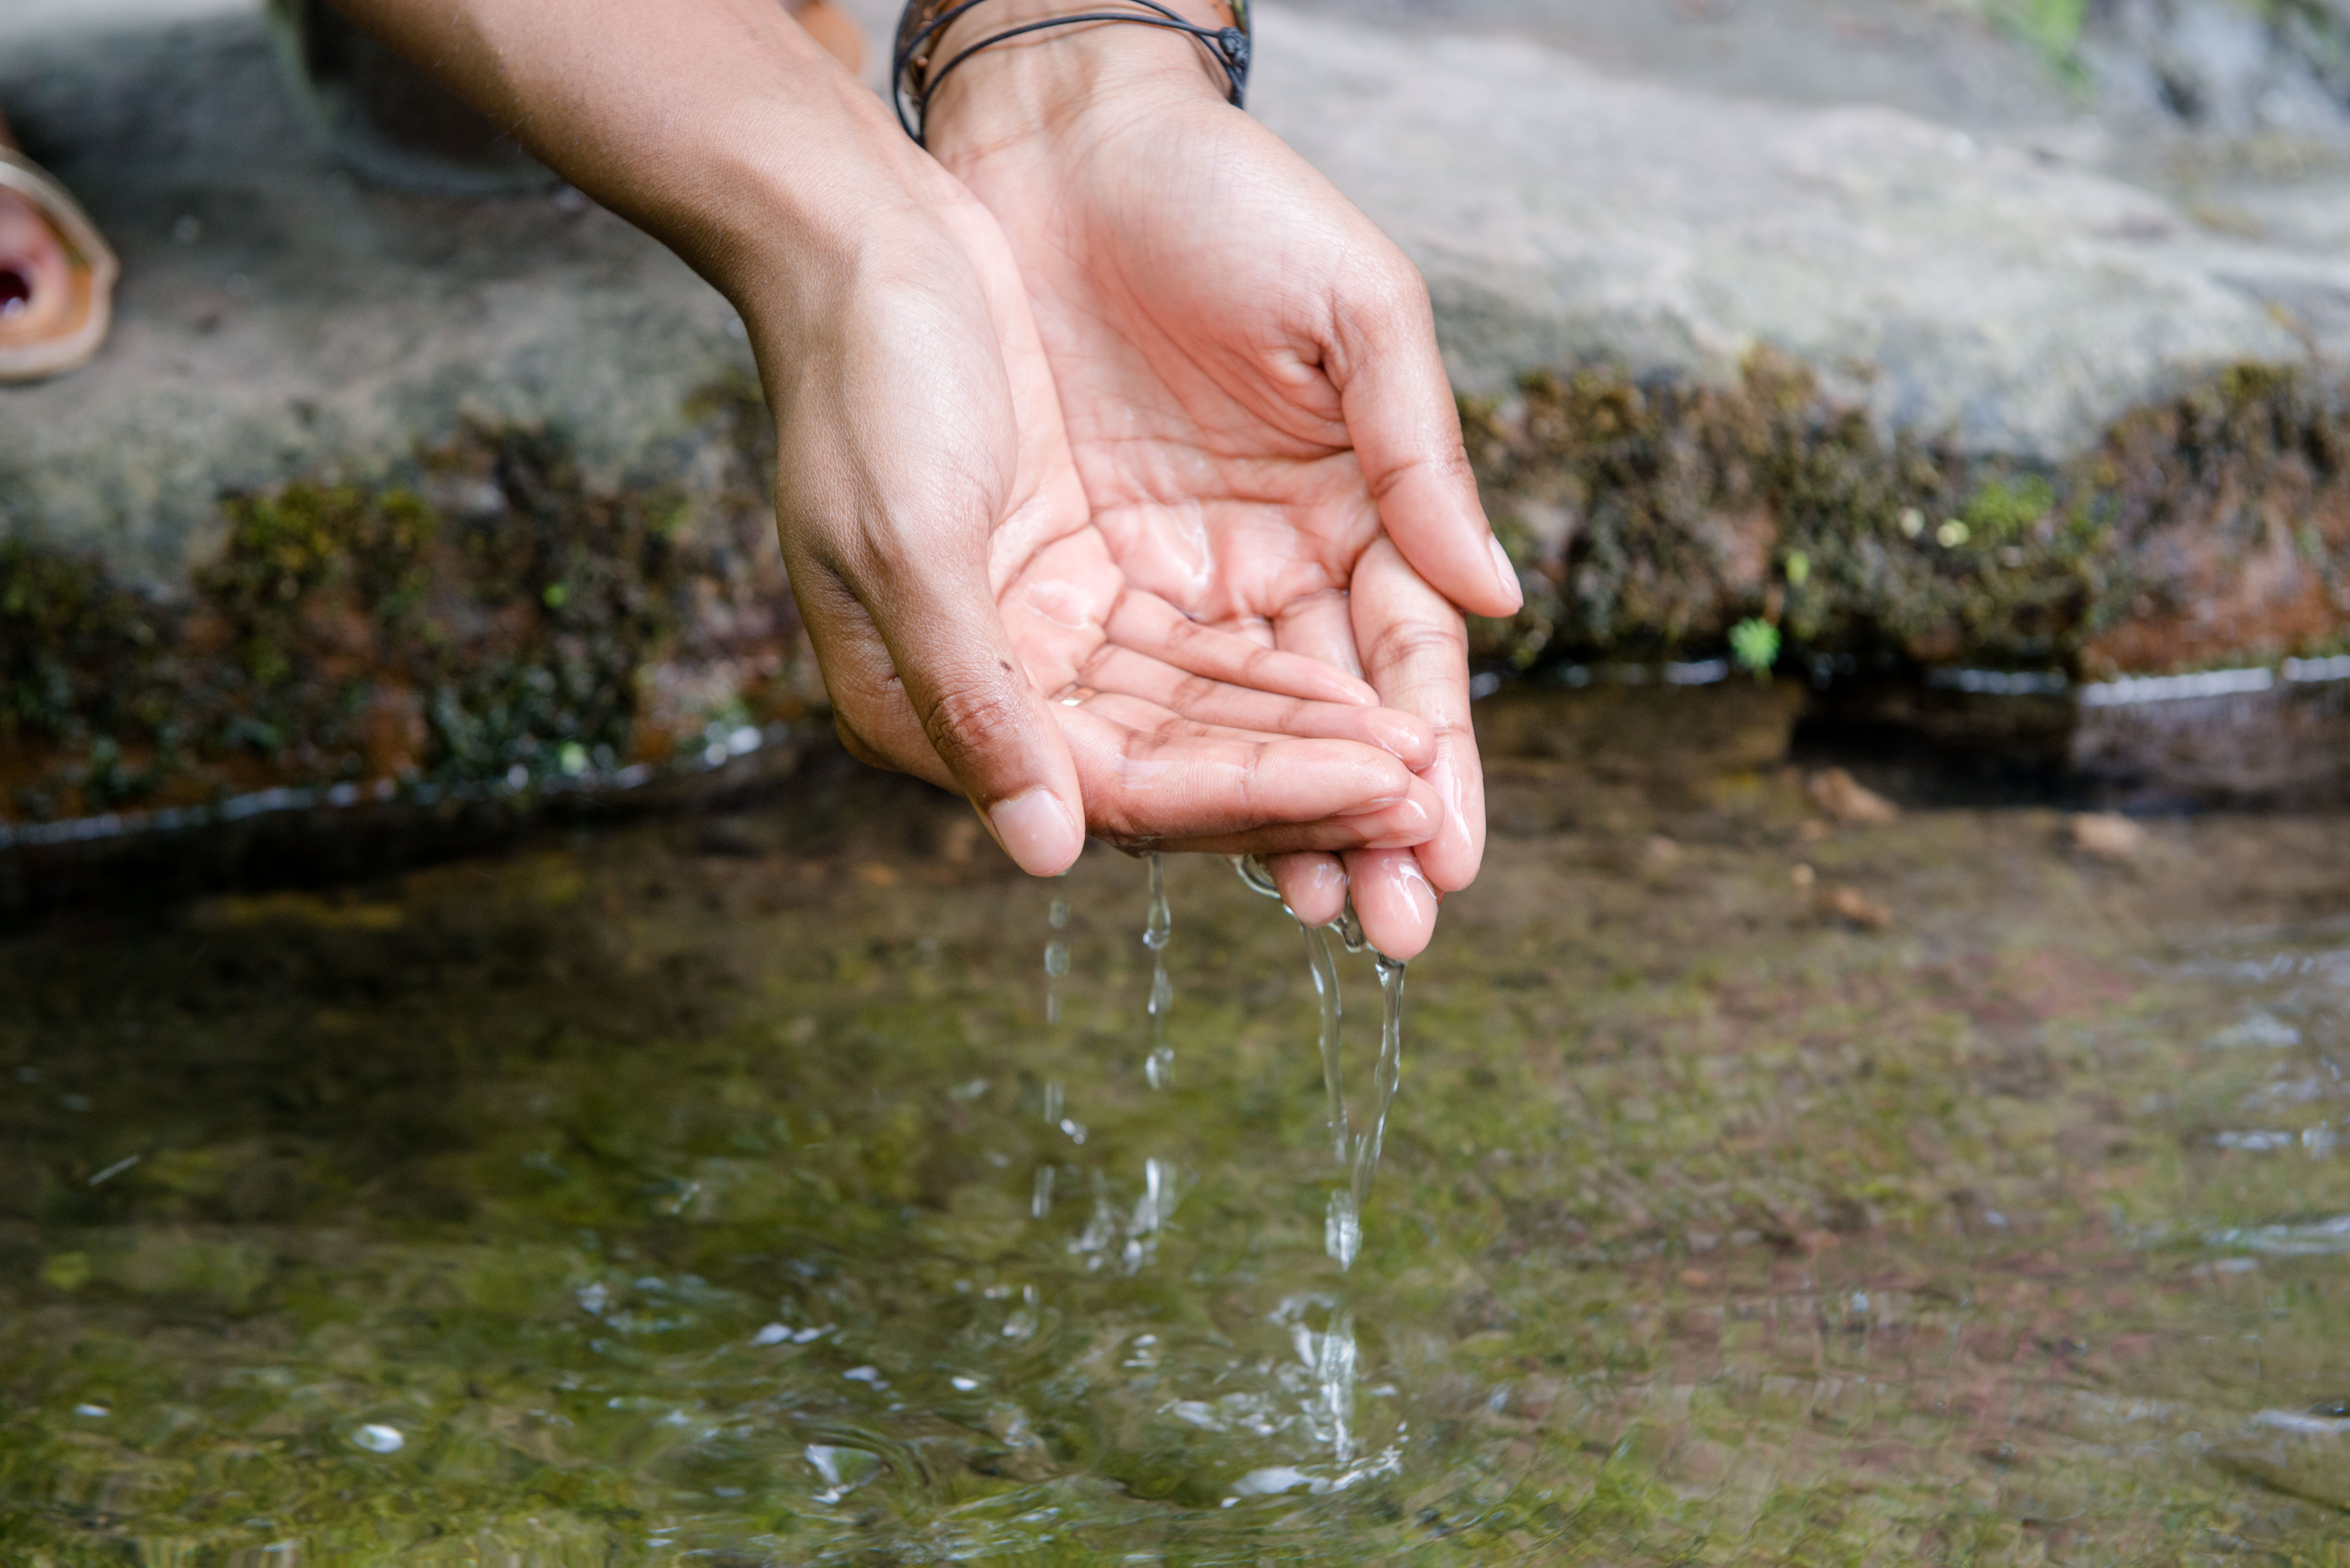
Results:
x,y
1428,803
1313,887
1512,590
1408,736
1405,824
1456,851
1380,779
1039,831
1478,582
1327,683
1394,902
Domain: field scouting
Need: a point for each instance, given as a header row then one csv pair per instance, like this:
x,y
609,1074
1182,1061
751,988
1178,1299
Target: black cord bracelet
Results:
x,y
912,81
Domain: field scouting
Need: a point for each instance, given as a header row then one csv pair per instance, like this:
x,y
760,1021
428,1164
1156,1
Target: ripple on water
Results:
x,y
741,1199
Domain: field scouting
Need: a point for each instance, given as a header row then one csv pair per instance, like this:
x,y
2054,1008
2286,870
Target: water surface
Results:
x,y
747,1189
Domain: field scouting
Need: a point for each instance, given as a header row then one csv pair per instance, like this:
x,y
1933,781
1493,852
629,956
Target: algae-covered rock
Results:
x,y
1651,515
493,616
280,321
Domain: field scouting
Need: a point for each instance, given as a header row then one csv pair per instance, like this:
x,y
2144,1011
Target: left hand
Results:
x,y
1249,374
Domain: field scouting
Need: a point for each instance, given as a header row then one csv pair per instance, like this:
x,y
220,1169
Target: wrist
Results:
x,y
803,198
1046,81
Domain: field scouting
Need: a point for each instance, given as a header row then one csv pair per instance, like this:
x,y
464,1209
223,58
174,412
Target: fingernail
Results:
x,y
1506,575
1038,831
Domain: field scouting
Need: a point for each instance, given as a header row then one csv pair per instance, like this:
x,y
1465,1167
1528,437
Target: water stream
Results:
x,y
1357,1153
1159,1066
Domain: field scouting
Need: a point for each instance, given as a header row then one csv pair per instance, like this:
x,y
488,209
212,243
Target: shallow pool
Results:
x,y
742,1188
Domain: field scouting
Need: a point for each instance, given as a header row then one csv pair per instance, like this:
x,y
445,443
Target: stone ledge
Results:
x,y
278,320
1948,285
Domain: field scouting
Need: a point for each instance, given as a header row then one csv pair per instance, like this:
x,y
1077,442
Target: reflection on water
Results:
x,y
681,1194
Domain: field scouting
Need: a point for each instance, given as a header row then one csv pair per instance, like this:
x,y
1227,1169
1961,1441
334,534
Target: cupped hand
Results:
x,y
976,624
1258,415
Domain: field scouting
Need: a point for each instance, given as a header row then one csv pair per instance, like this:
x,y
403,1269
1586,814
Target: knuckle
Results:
x,y
1447,467
1405,644
972,718
1392,287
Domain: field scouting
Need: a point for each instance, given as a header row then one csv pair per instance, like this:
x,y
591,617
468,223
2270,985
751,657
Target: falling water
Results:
x,y
1057,960
1358,1152
1385,1074
1323,965
1150,1212
1333,1357
1342,1231
1159,1066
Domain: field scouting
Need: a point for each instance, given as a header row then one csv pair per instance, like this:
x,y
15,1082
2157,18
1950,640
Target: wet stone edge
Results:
x,y
490,626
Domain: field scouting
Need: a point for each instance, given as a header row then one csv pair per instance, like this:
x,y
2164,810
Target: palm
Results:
x,y
1182,735
1210,439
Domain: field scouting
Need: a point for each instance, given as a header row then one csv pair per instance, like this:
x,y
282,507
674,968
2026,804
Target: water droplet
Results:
x,y
843,1469
378,1438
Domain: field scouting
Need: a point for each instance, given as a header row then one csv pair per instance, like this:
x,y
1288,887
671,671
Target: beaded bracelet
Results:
x,y
912,81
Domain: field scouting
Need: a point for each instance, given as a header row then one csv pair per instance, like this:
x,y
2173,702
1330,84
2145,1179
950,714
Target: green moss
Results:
x,y
491,611
1666,507
1999,512
346,632
2052,29
76,649
1754,644
365,621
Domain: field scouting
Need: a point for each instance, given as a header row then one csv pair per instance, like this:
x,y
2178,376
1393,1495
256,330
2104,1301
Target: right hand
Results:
x,y
973,624
1254,394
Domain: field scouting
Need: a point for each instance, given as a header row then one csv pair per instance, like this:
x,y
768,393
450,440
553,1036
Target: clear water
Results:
x,y
732,1192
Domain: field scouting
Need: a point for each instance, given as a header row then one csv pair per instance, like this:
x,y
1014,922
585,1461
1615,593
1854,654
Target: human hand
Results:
x,y
1257,410
976,626
939,543
972,624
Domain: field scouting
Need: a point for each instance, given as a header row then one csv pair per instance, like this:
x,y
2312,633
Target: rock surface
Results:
x,y
1800,209
1957,284
277,320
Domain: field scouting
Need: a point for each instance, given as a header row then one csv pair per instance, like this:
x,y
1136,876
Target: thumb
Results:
x,y
981,713
1406,430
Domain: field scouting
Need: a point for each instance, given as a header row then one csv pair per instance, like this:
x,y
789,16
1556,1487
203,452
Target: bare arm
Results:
x,y
941,547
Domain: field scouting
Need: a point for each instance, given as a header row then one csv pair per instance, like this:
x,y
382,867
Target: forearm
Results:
x,y
719,126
